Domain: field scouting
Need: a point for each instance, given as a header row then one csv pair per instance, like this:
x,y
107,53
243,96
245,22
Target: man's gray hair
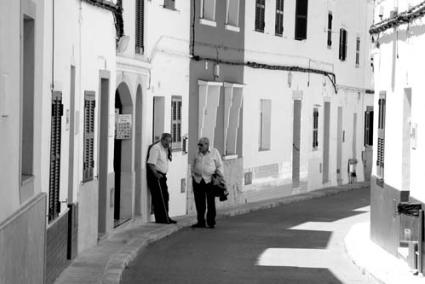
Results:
x,y
204,139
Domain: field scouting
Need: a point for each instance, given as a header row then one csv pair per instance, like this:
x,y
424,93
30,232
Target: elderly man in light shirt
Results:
x,y
159,154
207,161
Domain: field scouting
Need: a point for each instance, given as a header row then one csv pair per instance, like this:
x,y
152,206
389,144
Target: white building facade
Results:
x,y
306,95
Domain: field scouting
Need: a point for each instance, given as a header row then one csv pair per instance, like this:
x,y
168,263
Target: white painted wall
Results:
x,y
408,74
10,91
167,49
11,80
87,41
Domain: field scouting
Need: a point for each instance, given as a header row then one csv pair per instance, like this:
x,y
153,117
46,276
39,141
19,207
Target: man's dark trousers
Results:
x,y
160,197
204,192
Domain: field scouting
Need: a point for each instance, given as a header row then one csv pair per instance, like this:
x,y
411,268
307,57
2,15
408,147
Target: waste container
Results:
x,y
411,233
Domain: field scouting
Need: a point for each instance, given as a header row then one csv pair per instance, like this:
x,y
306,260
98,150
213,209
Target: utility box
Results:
x,y
411,234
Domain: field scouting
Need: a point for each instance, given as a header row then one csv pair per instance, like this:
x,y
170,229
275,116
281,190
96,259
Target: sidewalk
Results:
x,y
375,261
106,262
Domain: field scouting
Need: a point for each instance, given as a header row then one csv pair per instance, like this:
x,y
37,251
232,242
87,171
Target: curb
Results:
x,y
119,261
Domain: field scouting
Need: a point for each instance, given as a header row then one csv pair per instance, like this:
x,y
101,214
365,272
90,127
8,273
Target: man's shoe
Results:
x,y
171,221
198,225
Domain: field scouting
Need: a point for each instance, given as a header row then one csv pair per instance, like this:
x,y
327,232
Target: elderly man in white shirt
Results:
x,y
207,161
159,154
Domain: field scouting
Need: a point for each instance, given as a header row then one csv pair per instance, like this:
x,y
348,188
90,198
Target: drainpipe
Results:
x,y
52,84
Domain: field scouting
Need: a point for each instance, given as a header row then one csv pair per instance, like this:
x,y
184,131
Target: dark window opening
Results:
x,y
301,13
260,6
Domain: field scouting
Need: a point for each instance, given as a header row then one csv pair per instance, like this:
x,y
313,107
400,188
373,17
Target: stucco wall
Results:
x,y
398,62
22,238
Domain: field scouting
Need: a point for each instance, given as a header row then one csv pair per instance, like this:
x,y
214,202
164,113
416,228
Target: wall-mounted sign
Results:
x,y
123,126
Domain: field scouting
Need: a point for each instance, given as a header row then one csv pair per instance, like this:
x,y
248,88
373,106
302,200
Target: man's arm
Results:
x,y
153,158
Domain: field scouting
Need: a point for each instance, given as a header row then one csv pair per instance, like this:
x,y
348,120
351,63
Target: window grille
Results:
x,y
89,119
368,128
55,156
381,137
140,26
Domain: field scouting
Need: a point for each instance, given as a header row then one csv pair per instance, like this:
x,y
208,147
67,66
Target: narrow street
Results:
x,y
296,243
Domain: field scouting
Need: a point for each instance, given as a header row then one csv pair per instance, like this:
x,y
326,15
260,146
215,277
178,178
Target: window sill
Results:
x,y
232,28
357,65
259,31
170,8
26,179
263,149
230,157
206,22
279,35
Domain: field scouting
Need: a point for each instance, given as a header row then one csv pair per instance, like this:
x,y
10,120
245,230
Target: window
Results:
x,y
176,121
208,10
301,20
315,128
27,111
330,17
232,13
357,51
279,18
381,137
368,128
158,117
140,10
55,154
265,124
170,4
260,6
88,150
342,44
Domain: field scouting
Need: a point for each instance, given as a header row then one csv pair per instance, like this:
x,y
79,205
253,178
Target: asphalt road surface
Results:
x,y
301,242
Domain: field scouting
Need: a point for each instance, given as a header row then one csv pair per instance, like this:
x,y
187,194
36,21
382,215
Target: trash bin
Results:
x,y
352,176
411,233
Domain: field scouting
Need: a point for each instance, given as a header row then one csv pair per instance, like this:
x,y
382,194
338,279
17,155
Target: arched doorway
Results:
x,y
123,156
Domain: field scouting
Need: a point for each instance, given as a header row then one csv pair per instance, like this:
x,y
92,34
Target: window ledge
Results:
x,y
170,8
26,179
230,157
206,22
263,149
232,28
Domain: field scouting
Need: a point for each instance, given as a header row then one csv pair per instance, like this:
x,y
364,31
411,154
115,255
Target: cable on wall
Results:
x,y
406,17
116,10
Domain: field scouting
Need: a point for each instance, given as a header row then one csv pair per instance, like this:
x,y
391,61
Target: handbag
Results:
x,y
219,186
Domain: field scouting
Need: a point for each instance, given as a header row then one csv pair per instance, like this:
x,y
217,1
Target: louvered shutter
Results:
x,y
140,10
330,18
89,127
55,153
381,137
259,15
341,31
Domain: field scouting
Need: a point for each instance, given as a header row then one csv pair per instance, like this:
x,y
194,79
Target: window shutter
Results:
x,y
301,14
89,127
381,138
140,10
259,15
330,18
55,153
